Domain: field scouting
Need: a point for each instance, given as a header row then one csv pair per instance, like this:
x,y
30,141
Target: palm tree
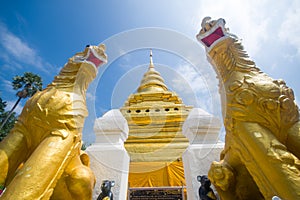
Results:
x,y
30,83
10,122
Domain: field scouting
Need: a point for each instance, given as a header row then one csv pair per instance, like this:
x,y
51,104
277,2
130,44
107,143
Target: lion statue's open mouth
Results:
x,y
211,31
92,54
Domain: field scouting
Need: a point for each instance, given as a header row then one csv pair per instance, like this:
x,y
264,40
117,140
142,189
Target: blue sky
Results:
x,y
39,36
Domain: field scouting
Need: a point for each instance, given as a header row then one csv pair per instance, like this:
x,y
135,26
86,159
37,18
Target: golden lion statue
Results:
x,y
41,158
262,145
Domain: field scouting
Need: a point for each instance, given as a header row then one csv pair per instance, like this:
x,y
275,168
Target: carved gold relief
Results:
x,y
41,157
262,147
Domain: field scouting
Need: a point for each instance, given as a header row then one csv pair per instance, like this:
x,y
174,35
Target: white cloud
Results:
x,y
289,30
191,76
19,50
197,89
6,86
16,47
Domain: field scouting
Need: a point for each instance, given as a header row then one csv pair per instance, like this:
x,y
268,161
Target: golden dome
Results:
x,y
152,80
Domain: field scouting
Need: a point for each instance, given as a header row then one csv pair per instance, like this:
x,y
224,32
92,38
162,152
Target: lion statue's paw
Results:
x,y
221,175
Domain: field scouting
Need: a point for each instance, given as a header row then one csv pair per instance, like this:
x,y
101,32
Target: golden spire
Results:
x,y
151,60
152,80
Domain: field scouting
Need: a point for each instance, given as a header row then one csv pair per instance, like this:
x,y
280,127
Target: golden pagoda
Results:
x,y
155,143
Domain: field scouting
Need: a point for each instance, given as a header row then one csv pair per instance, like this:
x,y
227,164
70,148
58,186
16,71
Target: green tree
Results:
x,y
2,105
30,84
10,122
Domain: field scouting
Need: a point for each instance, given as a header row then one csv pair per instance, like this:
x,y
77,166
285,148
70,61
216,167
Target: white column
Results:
x,y
109,158
202,130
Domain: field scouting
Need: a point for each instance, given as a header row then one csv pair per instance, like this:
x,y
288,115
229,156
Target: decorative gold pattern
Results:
x,y
41,157
262,147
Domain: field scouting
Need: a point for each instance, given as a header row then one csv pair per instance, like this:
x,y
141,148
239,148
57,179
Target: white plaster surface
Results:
x,y
108,157
202,129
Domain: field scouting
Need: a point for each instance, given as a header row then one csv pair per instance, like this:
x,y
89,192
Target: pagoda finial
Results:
x,y
152,80
151,60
